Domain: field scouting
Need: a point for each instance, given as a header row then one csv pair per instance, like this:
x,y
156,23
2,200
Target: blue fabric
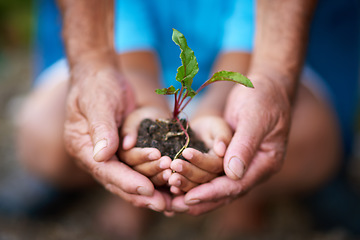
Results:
x,y
213,26
333,53
216,25
210,26
48,43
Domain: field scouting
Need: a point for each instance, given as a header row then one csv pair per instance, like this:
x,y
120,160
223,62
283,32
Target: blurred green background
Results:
x,y
16,24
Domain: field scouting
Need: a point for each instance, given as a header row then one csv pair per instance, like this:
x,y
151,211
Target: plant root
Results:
x,y
173,134
187,138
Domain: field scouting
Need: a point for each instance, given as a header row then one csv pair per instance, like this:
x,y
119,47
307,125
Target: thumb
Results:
x,y
129,130
103,131
221,133
243,147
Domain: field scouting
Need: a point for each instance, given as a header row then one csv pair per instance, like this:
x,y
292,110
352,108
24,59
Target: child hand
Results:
x,y
201,167
147,161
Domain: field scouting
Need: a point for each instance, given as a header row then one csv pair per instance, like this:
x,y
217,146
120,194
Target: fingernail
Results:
x,y
220,149
192,201
163,165
100,145
178,168
187,154
166,175
127,142
152,207
169,214
236,166
177,183
143,191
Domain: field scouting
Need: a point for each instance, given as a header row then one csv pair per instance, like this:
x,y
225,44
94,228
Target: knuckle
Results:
x,y
188,187
137,202
99,126
276,158
235,191
203,178
98,172
247,151
158,180
196,213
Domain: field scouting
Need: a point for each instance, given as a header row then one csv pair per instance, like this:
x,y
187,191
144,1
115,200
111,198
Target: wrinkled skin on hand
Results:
x,y
98,100
261,121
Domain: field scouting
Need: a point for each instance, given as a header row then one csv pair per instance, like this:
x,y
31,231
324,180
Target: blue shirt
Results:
x,y
209,26
217,25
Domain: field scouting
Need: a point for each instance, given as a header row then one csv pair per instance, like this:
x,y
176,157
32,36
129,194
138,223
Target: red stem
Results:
x,y
197,91
176,107
182,100
181,91
182,128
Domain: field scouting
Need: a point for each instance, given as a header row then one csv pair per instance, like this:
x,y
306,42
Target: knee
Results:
x,y
314,147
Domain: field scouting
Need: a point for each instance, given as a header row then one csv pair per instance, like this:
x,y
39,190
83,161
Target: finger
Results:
x,y
156,202
169,213
123,177
113,172
179,206
184,184
216,190
152,168
221,133
243,147
207,161
176,191
161,178
263,166
103,131
192,172
168,199
129,131
220,147
136,156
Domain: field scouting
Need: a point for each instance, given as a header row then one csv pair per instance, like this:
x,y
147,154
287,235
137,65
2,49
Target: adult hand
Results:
x,y
201,167
97,101
261,120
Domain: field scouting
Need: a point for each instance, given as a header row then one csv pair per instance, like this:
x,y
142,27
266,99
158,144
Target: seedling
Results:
x,y
185,74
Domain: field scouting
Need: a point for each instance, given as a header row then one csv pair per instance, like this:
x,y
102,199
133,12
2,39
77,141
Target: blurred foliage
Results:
x,y
16,23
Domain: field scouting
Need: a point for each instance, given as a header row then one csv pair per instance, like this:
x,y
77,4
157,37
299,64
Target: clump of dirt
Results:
x,y
167,136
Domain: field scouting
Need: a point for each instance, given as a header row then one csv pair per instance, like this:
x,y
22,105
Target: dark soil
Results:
x,y
167,136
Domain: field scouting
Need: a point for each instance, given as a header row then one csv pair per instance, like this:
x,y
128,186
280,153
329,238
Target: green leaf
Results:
x,y
167,91
230,76
190,67
191,93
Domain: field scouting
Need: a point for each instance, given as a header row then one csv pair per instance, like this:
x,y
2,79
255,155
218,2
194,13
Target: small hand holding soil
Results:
x,y
201,164
167,136
201,167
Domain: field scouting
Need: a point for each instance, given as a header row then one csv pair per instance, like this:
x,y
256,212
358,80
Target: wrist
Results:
x,y
284,82
89,67
98,56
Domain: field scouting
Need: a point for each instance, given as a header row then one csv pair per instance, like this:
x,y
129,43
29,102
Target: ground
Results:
x,y
77,219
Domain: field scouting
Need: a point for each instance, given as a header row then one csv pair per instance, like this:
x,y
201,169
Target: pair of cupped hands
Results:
x,y
99,103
